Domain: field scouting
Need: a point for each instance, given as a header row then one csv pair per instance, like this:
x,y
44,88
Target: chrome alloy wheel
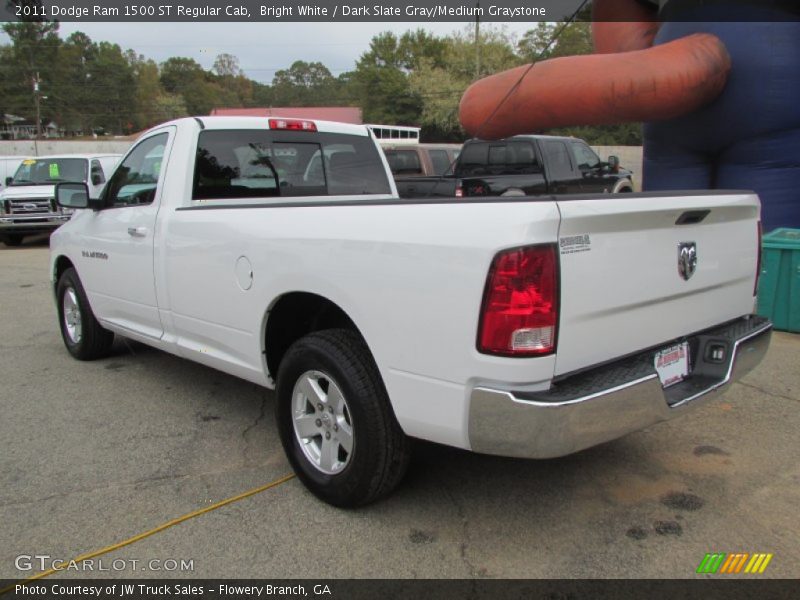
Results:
x,y
322,422
72,316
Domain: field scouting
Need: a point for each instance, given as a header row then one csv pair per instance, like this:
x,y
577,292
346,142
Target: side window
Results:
x,y
441,161
558,159
135,181
404,162
585,157
97,175
513,158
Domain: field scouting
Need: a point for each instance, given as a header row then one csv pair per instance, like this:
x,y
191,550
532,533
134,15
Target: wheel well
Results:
x,y
623,186
295,315
62,264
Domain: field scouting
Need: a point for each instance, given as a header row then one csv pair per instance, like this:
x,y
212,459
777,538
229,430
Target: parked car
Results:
x,y
413,160
28,206
522,165
520,326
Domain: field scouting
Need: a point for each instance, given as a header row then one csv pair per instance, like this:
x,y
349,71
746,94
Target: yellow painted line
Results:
x,y
155,530
765,563
753,562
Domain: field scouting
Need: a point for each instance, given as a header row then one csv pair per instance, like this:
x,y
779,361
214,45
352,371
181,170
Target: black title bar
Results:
x,y
344,11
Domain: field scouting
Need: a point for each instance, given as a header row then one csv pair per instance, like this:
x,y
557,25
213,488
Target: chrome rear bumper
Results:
x,y
610,401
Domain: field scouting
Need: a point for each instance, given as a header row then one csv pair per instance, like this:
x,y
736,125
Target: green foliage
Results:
x,y
416,78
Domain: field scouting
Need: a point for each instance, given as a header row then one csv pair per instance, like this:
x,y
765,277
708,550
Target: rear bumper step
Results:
x,y
610,401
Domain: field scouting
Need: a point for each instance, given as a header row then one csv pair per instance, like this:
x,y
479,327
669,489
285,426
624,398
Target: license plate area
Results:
x,y
672,364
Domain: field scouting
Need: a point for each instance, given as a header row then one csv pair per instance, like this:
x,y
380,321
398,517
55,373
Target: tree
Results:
x,y
113,98
72,90
33,54
227,65
186,78
441,84
541,43
304,84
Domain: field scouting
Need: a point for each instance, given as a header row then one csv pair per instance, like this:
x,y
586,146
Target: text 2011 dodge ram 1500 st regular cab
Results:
x,y
276,250
520,165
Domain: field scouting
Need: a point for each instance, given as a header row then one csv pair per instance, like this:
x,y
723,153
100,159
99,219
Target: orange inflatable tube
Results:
x,y
660,82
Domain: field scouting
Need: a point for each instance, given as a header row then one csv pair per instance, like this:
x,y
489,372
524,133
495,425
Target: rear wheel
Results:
x,y
83,336
335,420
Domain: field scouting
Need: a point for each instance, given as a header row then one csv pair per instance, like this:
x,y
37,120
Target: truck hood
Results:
x,y
28,192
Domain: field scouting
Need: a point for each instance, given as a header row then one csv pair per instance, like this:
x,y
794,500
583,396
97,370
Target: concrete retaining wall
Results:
x,y
46,147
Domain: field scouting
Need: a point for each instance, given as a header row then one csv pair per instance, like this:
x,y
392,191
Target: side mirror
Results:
x,y
72,195
9,180
613,163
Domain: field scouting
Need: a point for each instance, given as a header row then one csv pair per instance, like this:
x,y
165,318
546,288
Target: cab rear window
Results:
x,y
264,163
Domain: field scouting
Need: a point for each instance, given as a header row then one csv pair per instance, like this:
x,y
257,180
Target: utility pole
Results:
x,y
477,40
36,96
37,99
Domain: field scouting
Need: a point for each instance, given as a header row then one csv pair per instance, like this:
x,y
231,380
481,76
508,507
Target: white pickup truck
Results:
x,y
276,250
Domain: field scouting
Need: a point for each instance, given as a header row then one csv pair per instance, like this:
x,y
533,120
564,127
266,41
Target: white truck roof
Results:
x,y
224,122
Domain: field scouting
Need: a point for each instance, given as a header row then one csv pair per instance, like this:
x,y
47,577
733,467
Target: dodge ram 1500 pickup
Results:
x,y
278,251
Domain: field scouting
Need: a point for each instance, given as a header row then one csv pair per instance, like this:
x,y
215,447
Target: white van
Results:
x,y
27,204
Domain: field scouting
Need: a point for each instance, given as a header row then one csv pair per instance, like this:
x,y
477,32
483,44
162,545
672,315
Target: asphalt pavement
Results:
x,y
94,453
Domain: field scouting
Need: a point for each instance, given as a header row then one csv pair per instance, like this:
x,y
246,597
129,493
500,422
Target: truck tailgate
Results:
x,y
622,289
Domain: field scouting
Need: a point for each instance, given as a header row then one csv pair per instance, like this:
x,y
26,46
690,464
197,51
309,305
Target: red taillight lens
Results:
x,y
520,304
758,262
459,190
292,124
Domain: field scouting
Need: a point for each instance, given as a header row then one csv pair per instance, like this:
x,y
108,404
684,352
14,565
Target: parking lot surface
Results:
x,y
94,453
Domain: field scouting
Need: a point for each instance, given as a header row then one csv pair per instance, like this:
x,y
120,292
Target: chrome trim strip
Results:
x,y
599,394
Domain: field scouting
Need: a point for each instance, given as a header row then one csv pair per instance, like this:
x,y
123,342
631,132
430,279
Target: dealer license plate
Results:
x,y
672,364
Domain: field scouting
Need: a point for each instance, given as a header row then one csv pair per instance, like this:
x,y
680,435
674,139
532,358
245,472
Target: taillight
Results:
x,y
520,304
292,124
459,190
758,261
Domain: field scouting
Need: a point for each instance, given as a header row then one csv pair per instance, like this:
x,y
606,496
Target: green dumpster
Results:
x,y
779,285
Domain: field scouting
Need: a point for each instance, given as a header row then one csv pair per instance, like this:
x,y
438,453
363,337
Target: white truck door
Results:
x,y
117,260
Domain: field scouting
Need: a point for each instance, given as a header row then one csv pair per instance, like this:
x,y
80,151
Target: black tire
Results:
x,y
380,449
93,342
13,239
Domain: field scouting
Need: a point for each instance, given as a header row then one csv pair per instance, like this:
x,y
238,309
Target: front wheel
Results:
x,y
335,420
83,336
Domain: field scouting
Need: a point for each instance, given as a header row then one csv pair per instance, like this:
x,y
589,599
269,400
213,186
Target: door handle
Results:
x,y
137,231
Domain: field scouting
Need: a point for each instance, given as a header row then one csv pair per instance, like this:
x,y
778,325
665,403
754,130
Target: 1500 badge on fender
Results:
x,y
93,254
